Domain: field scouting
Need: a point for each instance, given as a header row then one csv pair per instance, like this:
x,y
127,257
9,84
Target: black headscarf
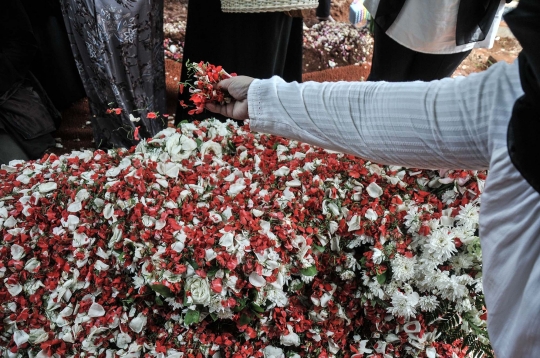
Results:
x,y
524,127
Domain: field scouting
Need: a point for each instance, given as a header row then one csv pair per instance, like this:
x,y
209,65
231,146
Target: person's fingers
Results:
x,y
224,84
235,110
216,108
237,86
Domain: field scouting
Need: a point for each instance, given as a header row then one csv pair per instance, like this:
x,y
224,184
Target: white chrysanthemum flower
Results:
x,y
351,262
403,305
464,305
412,219
428,303
461,262
468,215
440,245
172,302
449,196
378,256
403,267
347,275
277,297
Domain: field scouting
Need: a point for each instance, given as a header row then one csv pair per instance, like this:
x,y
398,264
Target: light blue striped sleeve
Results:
x,y
451,123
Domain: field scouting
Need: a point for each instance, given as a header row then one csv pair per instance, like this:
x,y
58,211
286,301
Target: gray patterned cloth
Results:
x,y
118,49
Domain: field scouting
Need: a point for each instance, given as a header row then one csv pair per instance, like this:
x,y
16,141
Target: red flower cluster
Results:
x,y
204,88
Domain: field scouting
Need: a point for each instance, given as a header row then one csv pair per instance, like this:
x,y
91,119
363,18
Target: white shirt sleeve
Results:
x,y
452,123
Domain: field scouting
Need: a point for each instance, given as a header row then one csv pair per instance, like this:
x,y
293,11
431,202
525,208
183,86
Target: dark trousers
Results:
x,y
323,10
393,62
259,45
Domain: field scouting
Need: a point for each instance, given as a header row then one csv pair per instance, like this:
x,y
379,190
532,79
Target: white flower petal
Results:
x,y
10,222
13,290
108,211
256,280
20,337
371,215
32,264
96,310
74,207
257,213
138,323
17,252
354,223
47,187
374,190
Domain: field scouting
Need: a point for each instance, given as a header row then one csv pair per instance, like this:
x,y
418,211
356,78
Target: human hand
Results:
x,y
237,87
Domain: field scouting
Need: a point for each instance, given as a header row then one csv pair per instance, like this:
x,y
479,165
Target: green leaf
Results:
x,y
244,319
128,301
381,279
318,248
310,271
240,304
253,294
257,308
212,271
193,264
192,316
214,316
362,261
162,290
159,302
199,142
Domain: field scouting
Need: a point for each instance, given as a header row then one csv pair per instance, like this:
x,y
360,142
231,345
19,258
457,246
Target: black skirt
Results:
x,y
259,45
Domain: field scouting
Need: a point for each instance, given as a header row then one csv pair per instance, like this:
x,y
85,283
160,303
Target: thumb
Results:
x,y
225,84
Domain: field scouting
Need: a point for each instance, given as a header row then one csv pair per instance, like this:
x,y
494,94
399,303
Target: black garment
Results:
x,y
259,45
26,114
475,18
393,62
54,64
524,126
323,10
18,44
118,49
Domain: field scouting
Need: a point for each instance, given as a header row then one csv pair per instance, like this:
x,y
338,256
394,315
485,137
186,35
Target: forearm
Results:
x,y
441,124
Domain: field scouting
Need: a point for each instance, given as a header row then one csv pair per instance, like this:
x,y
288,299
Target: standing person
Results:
x,y
118,49
54,65
256,44
486,120
427,40
27,116
323,10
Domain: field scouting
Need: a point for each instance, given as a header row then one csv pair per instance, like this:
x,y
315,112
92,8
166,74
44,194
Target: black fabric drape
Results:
x,y
474,18
18,44
524,126
26,113
259,45
54,64
387,12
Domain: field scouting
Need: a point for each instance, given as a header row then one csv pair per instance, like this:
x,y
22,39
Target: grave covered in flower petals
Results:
x,y
209,240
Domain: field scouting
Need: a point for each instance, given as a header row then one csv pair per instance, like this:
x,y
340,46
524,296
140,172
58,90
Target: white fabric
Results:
x,y
430,26
452,123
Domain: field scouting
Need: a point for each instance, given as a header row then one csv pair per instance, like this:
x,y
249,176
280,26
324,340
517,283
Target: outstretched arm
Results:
x,y
452,123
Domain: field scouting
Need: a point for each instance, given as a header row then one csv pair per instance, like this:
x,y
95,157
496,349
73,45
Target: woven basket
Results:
x,y
266,5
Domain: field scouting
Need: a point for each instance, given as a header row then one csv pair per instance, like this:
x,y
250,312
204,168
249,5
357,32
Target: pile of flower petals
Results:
x,y
213,241
337,44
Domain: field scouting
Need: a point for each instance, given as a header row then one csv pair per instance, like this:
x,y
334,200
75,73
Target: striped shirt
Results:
x,y
452,123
